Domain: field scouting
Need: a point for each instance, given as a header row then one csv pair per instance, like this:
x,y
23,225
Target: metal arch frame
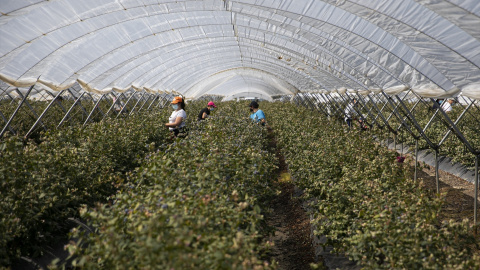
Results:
x,y
377,65
259,6
377,44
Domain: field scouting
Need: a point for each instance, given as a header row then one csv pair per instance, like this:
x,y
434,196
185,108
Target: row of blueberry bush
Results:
x,y
364,201
193,204
44,182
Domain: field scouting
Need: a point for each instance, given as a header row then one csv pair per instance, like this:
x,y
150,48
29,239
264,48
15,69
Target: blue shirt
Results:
x,y
257,116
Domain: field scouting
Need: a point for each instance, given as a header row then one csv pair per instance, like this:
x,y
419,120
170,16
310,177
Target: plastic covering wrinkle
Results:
x,y
161,45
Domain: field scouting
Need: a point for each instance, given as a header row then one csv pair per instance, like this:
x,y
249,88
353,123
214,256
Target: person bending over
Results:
x,y
205,112
258,116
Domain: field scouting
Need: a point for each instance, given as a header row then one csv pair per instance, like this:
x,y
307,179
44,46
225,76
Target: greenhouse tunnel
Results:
x,y
393,57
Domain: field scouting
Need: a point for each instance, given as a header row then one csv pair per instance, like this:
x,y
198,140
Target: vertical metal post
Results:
x,y
416,159
476,194
436,171
395,142
16,111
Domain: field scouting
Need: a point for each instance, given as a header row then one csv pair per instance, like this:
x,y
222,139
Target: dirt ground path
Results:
x,y
293,249
459,193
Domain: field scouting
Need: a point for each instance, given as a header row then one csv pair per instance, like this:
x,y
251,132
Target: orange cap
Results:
x,y
177,100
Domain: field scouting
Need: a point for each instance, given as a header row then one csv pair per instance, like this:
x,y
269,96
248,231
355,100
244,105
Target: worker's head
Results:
x,y
178,103
253,105
211,106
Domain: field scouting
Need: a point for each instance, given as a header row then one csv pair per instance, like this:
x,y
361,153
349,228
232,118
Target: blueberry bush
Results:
x,y
44,184
193,204
364,201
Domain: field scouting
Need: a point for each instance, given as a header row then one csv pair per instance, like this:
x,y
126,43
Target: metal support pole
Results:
x,y
369,111
44,112
124,107
71,108
94,107
309,101
382,116
146,100
327,97
395,107
56,97
476,194
416,159
138,101
6,120
11,98
31,108
322,105
417,126
117,99
395,142
431,121
78,103
163,102
376,107
437,177
458,133
406,117
343,111
16,111
303,100
455,123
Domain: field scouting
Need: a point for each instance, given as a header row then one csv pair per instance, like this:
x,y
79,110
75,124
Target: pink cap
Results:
x,y
211,104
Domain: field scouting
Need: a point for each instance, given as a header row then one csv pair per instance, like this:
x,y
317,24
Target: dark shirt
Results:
x,y
206,110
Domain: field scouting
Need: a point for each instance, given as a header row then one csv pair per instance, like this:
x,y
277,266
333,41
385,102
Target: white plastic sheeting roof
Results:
x,y
244,47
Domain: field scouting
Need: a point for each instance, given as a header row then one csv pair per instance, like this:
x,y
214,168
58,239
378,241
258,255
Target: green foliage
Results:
x,y
194,204
453,147
364,201
29,112
42,185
